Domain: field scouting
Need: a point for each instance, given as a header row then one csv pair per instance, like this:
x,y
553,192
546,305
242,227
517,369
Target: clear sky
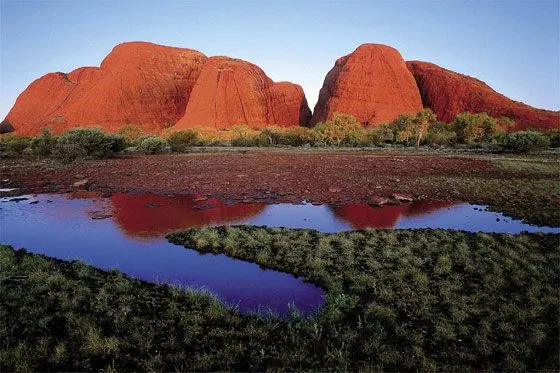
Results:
x,y
511,45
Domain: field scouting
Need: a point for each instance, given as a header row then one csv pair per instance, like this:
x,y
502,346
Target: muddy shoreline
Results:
x,y
292,176
337,177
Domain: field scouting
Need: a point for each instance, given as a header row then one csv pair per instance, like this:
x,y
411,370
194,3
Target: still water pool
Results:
x,y
127,232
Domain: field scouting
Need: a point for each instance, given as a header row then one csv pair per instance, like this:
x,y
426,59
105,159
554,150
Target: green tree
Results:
x,y
421,122
478,127
180,141
403,128
341,129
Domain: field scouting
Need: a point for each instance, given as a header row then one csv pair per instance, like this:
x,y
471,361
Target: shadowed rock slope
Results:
x,y
448,93
231,91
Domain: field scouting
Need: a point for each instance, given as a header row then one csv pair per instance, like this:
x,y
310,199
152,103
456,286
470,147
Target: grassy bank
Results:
x,y
396,300
524,187
418,299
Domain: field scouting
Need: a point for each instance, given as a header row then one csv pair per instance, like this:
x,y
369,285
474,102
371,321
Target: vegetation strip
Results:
x,y
396,300
413,129
417,299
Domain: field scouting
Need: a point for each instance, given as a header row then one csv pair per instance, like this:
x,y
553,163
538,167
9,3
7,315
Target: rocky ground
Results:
x,y
521,186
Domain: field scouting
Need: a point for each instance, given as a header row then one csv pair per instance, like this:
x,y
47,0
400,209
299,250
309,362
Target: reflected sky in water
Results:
x,y
127,232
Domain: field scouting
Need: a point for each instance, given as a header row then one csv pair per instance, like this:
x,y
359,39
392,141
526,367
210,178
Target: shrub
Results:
x,y
341,129
421,123
130,132
554,138
45,144
141,138
243,135
525,141
441,134
476,128
68,152
412,128
381,134
180,141
14,144
292,136
153,145
87,143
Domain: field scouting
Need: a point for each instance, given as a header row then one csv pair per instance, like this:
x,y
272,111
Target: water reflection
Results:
x,y
61,226
149,215
127,232
360,215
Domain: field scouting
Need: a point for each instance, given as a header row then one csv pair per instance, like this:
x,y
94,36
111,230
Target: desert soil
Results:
x,y
296,175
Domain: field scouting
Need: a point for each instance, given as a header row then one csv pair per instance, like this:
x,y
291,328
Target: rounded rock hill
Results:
x,y
449,93
372,84
138,83
230,91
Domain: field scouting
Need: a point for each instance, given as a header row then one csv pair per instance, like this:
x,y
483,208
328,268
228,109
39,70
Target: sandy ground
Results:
x,y
273,176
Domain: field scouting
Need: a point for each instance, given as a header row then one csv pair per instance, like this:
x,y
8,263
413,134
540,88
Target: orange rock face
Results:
x,y
372,84
150,86
137,83
448,93
231,91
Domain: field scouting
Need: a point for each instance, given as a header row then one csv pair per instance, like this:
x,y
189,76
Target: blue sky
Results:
x,y
511,45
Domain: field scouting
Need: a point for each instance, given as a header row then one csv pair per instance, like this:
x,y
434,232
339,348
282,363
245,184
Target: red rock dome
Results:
x,y
448,93
138,83
372,84
230,91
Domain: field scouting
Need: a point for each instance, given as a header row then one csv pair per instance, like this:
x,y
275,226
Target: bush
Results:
x,y
554,138
525,141
130,132
14,144
87,143
403,129
45,144
180,141
293,136
141,139
341,129
412,128
243,135
381,135
153,145
441,134
68,152
477,128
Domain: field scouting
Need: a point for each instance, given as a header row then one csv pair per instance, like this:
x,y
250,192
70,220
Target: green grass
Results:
x,y
396,300
417,299
525,187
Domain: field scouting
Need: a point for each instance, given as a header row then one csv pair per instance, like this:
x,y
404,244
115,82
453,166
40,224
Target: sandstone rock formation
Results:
x,y
137,83
6,127
448,93
157,87
231,91
372,83
150,85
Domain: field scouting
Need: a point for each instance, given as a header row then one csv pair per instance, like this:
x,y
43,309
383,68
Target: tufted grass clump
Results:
x,y
396,300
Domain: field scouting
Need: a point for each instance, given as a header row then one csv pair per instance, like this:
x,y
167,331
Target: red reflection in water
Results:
x,y
151,215
361,215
